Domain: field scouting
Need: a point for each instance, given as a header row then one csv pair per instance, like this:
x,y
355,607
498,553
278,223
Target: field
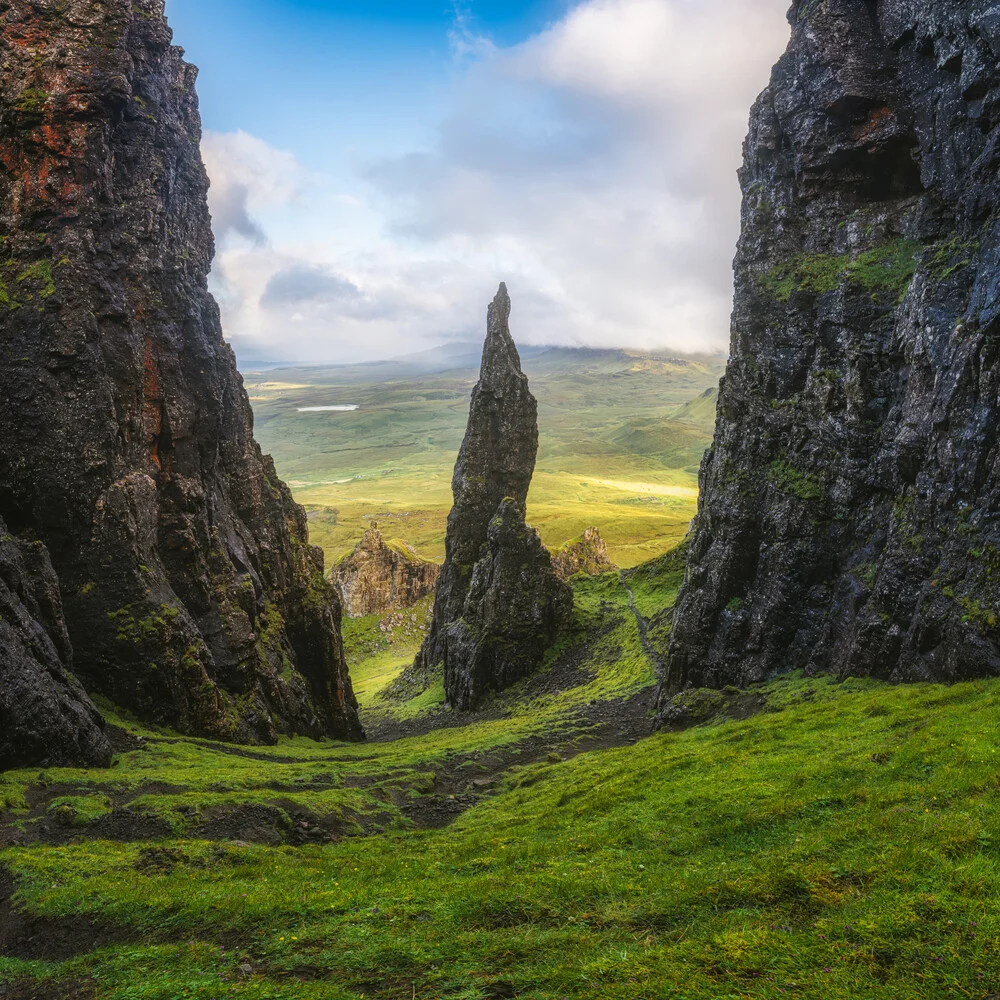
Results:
x,y
806,839
621,438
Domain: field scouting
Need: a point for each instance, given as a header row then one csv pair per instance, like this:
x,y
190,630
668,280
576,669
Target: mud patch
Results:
x,y
121,825
462,782
501,991
159,860
24,989
122,741
435,812
124,826
253,824
49,939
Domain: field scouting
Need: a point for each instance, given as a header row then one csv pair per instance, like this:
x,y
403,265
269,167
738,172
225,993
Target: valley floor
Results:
x,y
621,438
807,839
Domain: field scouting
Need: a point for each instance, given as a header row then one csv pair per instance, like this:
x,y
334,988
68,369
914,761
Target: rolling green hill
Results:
x,y
621,438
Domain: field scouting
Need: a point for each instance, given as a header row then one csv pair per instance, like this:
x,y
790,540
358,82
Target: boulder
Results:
x,y
587,554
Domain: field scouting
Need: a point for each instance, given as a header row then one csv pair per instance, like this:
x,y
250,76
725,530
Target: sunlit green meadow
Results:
x,y
621,439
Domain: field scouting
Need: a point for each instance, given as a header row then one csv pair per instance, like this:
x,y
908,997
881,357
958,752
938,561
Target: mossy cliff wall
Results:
x,y
190,591
849,512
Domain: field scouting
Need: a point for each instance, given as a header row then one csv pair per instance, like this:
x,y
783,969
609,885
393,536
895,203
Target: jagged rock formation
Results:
x,y
45,715
498,603
191,594
376,577
513,611
850,511
586,554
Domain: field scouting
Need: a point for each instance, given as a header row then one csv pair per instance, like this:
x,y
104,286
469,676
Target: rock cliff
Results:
x,y
850,510
513,610
190,592
45,715
483,644
376,578
586,554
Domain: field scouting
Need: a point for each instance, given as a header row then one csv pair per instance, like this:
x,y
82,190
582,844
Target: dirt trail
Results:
x,y
651,654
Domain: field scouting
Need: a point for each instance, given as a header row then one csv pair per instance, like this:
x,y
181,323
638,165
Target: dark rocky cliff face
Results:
x,y
849,512
190,591
513,610
45,716
495,465
376,578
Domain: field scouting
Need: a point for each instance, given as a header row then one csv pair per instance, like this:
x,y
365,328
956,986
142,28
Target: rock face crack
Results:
x,y
498,604
849,518
190,593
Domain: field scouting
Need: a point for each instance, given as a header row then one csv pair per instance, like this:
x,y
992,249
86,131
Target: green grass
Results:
x,y
803,485
191,777
886,269
841,844
621,439
379,647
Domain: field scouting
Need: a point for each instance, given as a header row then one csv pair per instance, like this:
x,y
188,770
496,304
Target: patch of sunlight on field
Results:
x,y
654,489
639,520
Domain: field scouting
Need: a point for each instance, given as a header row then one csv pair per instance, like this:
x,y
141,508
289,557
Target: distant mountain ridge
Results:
x,y
461,356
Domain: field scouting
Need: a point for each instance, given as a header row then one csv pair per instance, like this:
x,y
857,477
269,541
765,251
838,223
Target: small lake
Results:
x,y
327,409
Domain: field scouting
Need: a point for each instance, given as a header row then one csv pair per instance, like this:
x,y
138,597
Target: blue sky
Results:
x,y
377,168
321,76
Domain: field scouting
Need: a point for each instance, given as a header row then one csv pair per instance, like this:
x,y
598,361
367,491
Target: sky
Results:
x,y
379,167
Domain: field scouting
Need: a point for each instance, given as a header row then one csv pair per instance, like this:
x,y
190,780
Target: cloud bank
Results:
x,y
592,167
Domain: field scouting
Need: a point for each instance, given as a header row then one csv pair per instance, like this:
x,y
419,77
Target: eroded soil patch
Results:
x,y
24,989
463,781
46,938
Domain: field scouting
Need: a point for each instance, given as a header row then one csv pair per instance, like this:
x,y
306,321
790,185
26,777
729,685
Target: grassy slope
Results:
x,y
619,447
379,647
841,844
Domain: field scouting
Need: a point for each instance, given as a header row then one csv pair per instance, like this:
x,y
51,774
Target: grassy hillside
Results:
x,y
621,439
811,839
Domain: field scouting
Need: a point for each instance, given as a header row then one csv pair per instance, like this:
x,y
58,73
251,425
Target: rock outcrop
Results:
x,y
190,592
850,510
484,643
514,609
376,577
587,554
45,715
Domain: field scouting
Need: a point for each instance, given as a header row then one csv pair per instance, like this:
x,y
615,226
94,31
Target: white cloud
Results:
x,y
706,54
248,176
592,167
